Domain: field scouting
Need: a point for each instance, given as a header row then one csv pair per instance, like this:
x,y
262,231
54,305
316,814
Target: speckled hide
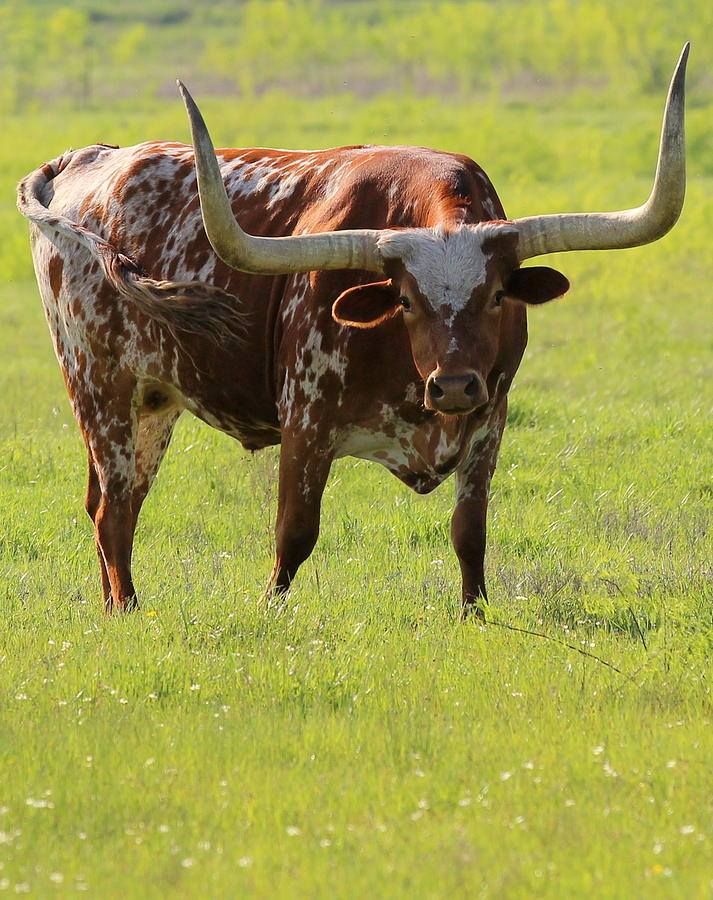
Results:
x,y
147,322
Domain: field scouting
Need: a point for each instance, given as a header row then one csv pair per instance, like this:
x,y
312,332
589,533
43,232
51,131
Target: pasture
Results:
x,y
360,740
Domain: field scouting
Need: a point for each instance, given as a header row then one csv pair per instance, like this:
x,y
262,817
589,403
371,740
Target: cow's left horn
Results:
x,y
268,255
630,227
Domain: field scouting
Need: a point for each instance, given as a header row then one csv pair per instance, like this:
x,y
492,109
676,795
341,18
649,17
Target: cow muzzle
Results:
x,y
455,394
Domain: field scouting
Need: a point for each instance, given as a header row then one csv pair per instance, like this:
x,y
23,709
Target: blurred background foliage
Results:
x,y
559,100
599,523
83,52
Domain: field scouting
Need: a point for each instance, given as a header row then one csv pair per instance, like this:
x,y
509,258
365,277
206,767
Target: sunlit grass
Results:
x,y
359,741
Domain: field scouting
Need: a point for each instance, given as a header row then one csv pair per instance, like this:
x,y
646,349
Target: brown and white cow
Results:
x,y
374,307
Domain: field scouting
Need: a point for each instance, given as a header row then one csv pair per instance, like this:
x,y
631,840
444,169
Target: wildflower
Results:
x,y
293,831
658,869
42,803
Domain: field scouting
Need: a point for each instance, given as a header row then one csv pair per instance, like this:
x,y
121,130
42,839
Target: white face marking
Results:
x,y
447,265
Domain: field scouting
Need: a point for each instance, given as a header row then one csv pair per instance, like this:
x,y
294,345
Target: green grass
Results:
x,y
360,741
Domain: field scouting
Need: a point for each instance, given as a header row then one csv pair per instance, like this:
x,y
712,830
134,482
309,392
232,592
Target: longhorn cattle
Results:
x,y
374,306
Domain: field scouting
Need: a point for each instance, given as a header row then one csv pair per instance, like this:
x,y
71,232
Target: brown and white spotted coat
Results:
x,y
121,259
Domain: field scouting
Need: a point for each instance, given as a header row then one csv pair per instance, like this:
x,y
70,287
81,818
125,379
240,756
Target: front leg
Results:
x,y
468,524
304,468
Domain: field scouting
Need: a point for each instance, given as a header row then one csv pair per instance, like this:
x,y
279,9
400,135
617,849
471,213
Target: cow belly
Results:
x,y
251,434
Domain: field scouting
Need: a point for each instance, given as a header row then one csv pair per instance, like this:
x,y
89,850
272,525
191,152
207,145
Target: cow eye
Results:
x,y
405,302
499,297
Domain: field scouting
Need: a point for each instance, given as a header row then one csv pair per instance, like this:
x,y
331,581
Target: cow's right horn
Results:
x,y
355,249
628,227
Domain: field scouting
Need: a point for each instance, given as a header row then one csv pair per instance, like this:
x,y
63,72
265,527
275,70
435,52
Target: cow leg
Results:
x,y
468,525
468,533
115,509
303,475
112,437
91,503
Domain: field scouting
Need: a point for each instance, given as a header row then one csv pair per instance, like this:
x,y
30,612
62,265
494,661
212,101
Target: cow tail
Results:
x,y
182,307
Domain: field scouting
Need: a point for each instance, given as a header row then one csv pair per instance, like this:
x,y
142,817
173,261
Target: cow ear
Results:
x,y
536,284
366,305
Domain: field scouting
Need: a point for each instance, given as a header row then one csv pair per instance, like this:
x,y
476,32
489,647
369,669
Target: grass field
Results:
x,y
360,741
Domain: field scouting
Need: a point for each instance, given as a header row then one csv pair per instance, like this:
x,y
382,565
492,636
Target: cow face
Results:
x,y
457,291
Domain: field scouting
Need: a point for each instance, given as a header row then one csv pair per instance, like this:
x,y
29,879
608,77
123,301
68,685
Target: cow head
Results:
x,y
455,289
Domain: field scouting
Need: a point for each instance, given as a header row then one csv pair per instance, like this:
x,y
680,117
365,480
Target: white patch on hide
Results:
x,y
447,265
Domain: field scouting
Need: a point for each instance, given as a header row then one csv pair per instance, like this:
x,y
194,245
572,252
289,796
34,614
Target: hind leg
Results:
x,y
125,452
91,504
112,441
125,470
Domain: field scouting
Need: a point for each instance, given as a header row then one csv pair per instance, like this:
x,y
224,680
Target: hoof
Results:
x,y
472,612
130,604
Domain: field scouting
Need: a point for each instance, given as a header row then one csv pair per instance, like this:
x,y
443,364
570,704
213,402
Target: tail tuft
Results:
x,y
183,307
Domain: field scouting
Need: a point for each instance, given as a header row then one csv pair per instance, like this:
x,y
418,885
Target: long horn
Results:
x,y
630,227
354,249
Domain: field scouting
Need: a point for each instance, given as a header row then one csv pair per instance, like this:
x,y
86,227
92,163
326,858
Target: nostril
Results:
x,y
435,390
471,389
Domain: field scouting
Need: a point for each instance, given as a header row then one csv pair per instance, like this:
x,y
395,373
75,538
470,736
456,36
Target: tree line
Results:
x,y
76,54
